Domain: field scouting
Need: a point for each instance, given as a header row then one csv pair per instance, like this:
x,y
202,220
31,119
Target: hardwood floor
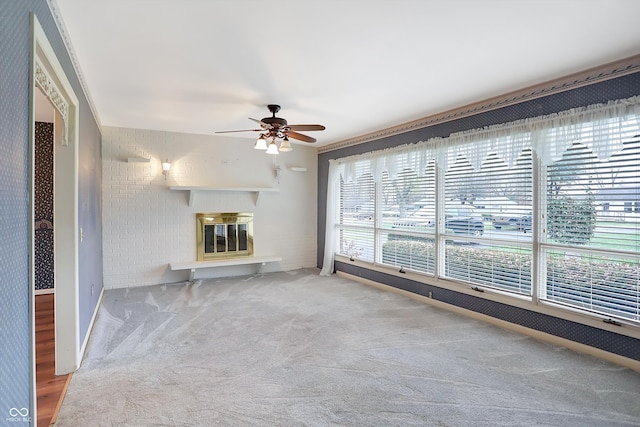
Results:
x,y
49,387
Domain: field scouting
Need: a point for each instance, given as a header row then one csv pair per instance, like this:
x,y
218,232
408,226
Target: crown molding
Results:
x,y
64,34
593,75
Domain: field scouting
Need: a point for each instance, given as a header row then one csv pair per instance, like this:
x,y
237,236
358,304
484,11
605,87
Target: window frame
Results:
x,y
539,246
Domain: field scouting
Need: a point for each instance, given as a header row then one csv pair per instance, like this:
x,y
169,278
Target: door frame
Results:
x,y
65,227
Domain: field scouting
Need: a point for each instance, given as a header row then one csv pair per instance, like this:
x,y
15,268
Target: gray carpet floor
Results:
x,y
298,349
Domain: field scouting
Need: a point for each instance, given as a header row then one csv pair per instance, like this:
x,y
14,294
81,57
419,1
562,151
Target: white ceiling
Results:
x,y
356,66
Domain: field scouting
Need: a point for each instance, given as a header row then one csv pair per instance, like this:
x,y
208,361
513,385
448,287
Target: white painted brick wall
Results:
x,y
146,226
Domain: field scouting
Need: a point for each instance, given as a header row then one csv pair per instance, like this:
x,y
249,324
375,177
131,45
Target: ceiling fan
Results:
x,y
272,128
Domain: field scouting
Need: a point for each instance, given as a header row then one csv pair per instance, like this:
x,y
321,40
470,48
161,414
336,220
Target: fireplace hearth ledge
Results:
x,y
193,266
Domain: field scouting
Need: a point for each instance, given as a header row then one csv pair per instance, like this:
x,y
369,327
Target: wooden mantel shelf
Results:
x,y
256,191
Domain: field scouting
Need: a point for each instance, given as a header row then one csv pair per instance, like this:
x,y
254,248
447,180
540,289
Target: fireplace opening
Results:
x,y
221,235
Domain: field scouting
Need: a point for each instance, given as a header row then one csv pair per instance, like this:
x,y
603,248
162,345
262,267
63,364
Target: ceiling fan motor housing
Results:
x,y
273,120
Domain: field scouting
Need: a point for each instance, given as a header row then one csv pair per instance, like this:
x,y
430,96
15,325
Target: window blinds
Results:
x,y
464,208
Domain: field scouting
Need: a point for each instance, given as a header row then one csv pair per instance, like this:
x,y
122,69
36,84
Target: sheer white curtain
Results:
x,y
333,202
410,156
602,127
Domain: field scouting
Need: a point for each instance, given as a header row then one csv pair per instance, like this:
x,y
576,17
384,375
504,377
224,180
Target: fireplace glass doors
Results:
x,y
221,235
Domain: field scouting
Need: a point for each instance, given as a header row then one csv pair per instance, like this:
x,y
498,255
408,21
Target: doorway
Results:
x,y
48,76
49,386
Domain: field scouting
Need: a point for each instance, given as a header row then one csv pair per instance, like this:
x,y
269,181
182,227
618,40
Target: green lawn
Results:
x,y
616,235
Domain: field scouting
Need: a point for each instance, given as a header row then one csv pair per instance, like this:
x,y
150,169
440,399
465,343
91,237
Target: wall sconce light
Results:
x,y
166,167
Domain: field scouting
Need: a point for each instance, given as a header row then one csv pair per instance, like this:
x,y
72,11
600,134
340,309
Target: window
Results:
x,y
357,212
558,196
408,218
593,257
494,204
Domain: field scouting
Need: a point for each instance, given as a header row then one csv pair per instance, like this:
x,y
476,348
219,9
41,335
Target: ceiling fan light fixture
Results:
x,y
285,145
276,128
261,143
273,148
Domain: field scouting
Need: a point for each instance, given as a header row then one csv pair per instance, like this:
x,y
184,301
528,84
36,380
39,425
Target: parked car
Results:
x,y
422,218
510,218
365,211
524,223
459,219
463,219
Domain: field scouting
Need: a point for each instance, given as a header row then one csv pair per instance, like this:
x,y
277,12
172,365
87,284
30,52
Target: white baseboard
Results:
x,y
93,319
44,291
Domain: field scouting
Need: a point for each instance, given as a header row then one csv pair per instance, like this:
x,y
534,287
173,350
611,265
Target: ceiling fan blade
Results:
x,y
260,122
244,130
301,137
306,127
265,126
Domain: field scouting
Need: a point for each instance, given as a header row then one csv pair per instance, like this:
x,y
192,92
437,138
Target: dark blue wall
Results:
x,y
615,88
14,206
89,215
15,244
